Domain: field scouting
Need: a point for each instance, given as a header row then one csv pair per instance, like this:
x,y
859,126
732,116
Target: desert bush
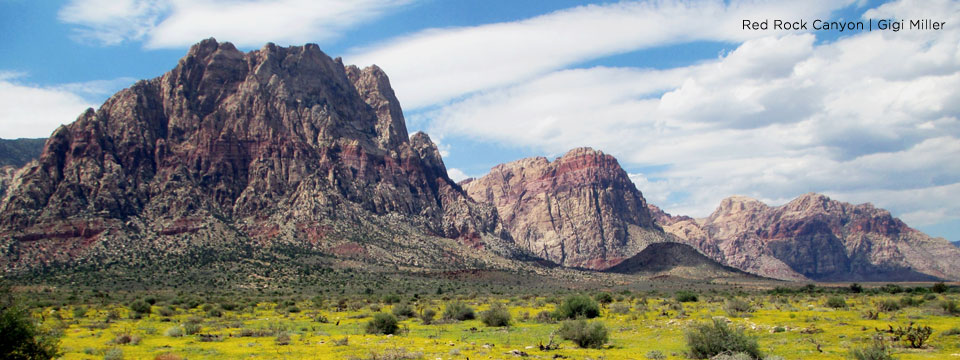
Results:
x,y
620,308
545,317
391,299
426,317
175,331
382,323
685,296
140,306
458,311
950,307
656,355
604,298
856,288
577,306
166,311
888,305
908,301
497,315
892,289
215,312
79,312
167,356
585,335
733,356
282,339
737,307
836,302
341,342
113,354
939,288
951,332
191,328
875,351
706,340
403,310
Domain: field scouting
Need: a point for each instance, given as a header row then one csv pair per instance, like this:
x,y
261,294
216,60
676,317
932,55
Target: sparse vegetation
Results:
x,y
836,302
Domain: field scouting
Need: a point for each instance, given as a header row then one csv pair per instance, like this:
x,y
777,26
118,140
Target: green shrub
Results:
x,y
604,298
706,340
79,312
939,288
21,339
892,288
426,317
458,311
685,296
950,307
403,310
191,328
498,315
215,312
113,354
140,306
951,332
856,288
382,323
585,335
836,302
888,305
875,351
577,306
908,301
656,355
391,299
620,308
175,331
737,307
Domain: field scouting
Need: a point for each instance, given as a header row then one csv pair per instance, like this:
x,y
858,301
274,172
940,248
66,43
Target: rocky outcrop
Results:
x,y
278,145
581,210
814,237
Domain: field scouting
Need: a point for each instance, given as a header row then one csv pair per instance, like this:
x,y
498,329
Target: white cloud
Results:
x,y
30,111
457,174
180,23
871,117
437,65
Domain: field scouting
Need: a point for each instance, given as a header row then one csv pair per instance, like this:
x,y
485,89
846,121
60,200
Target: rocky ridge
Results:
x,y
581,210
278,146
816,238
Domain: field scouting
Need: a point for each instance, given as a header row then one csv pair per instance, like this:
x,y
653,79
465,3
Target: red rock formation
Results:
x,y
580,210
814,237
230,145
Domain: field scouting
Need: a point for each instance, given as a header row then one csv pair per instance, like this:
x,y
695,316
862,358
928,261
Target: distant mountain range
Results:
x,y
282,154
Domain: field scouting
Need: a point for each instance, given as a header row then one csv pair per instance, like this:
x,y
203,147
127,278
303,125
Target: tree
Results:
x,y
21,339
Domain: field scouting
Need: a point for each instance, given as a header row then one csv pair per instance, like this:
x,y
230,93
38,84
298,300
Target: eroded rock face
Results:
x,y
276,145
580,210
814,237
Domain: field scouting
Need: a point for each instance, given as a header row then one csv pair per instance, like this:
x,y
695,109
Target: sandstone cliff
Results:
x,y
275,146
814,237
581,210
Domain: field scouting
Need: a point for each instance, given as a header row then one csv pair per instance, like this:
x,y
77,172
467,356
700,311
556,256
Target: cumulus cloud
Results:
x,y
179,23
437,65
31,111
457,174
871,117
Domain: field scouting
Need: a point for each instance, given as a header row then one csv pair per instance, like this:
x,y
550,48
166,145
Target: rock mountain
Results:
x,y
277,147
581,210
815,238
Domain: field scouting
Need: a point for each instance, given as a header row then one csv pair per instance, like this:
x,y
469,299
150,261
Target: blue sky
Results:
x,y
693,106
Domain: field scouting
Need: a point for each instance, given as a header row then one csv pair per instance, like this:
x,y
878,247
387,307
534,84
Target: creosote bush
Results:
x,y
403,310
836,302
498,315
685,296
426,317
140,306
585,335
737,307
458,311
577,306
21,339
382,323
706,340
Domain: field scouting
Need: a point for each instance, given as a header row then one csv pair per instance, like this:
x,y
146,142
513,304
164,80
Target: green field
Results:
x,y
798,323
